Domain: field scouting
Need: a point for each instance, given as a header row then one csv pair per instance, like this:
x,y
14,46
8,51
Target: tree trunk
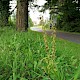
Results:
x,y
3,19
4,13
22,15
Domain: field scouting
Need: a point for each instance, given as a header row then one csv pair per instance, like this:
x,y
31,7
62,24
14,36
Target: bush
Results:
x,y
73,26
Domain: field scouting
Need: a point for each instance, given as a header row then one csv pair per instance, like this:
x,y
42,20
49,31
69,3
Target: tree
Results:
x,y
4,12
68,13
51,5
70,19
22,15
22,12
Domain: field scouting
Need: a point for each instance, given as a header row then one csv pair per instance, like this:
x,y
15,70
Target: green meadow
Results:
x,y
23,57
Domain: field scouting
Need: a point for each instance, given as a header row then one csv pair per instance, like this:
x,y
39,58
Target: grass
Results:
x,y
23,57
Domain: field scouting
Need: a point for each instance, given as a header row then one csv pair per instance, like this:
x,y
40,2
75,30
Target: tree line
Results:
x,y
21,15
68,13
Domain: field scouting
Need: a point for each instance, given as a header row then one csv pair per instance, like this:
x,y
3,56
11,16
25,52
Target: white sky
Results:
x,y
34,13
13,4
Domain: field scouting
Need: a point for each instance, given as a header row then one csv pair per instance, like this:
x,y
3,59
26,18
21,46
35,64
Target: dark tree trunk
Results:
x,y
3,19
22,15
4,13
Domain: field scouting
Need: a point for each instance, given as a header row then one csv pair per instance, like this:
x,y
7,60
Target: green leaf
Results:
x,y
77,73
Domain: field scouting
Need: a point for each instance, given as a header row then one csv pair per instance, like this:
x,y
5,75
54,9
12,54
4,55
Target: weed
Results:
x,y
23,57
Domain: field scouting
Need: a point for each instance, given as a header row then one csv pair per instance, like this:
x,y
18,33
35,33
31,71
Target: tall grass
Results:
x,y
23,57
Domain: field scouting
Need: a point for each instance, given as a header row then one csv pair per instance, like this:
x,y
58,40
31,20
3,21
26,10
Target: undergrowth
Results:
x,y
23,57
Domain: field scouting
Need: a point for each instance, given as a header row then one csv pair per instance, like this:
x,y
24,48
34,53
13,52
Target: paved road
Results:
x,y
64,35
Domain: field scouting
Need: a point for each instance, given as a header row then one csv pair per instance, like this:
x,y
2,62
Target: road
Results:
x,y
64,35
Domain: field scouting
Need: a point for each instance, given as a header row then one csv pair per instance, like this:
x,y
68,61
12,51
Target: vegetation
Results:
x,y
4,12
22,14
37,56
70,20
30,24
68,13
23,56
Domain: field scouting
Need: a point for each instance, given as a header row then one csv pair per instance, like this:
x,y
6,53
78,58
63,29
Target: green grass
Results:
x,y
23,57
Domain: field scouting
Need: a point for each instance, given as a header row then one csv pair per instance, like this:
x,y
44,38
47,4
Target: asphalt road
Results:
x,y
64,35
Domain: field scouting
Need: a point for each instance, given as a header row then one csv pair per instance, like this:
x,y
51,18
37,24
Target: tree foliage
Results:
x,y
68,13
22,13
70,20
4,12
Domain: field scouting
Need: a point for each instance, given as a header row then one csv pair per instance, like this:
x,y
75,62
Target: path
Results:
x,y
64,35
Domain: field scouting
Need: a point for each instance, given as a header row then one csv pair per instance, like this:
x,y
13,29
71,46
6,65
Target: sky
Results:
x,y
34,13
13,4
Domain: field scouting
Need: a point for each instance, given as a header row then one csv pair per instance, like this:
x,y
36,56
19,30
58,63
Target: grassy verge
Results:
x,y
23,57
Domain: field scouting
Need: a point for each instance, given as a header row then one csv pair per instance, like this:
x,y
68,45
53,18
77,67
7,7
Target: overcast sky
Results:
x,y
34,13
